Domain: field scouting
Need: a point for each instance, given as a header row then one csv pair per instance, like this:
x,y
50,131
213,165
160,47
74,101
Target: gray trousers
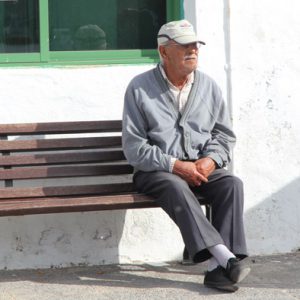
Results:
x,y
224,192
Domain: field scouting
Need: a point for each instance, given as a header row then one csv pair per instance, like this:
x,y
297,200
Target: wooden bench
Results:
x,y
85,159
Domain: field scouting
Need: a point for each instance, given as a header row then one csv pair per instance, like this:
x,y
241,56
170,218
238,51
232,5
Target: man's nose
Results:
x,y
193,47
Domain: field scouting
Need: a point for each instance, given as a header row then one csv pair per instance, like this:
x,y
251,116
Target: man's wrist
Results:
x,y
216,160
172,163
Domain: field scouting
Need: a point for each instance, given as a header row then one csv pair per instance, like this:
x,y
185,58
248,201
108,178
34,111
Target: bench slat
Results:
x,y
67,171
61,158
75,204
61,144
51,159
112,188
61,127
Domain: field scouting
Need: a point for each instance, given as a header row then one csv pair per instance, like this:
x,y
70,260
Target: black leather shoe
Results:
x,y
236,271
218,279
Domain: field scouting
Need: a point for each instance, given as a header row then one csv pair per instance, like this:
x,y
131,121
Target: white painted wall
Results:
x,y
265,47
253,55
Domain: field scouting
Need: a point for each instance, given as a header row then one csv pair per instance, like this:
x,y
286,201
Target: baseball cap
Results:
x,y
182,32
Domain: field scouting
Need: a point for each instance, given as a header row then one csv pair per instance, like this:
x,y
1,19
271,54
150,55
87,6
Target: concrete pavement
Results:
x,y
274,277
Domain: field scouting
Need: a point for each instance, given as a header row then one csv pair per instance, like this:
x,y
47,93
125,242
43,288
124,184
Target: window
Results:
x,y
82,31
20,27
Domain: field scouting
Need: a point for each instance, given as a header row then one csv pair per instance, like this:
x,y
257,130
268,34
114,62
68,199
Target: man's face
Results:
x,y
182,59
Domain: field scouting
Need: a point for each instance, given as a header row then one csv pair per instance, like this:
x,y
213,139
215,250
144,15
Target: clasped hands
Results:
x,y
194,173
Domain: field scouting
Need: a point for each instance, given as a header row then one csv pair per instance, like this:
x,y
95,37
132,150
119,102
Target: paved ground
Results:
x,y
272,277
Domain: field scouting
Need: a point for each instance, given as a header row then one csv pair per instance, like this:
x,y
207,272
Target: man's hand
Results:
x,y
188,171
205,166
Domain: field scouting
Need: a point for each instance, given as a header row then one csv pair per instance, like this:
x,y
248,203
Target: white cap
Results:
x,y
182,32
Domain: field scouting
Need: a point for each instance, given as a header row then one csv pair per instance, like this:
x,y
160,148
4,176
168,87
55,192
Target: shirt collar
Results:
x,y
190,80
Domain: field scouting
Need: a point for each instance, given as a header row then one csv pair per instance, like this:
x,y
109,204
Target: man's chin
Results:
x,y
192,66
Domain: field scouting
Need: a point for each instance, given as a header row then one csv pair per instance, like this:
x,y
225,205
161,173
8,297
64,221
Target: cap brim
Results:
x,y
187,39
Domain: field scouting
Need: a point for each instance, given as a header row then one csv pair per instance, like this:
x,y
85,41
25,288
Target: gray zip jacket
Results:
x,y
154,131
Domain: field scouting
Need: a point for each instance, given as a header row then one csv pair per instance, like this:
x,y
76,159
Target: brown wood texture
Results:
x,y
65,157
62,158
60,144
61,127
92,189
65,171
75,204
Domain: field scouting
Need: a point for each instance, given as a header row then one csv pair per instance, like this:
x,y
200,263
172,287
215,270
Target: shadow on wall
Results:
x,y
273,226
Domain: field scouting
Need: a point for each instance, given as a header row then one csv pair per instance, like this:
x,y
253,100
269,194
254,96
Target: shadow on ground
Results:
x,y
273,272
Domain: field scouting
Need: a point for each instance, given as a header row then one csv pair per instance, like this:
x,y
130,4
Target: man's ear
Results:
x,y
162,51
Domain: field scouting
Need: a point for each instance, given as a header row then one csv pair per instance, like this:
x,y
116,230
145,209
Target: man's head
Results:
x,y
178,46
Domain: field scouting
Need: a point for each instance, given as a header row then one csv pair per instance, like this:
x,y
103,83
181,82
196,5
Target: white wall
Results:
x,y
255,61
64,93
253,53
265,49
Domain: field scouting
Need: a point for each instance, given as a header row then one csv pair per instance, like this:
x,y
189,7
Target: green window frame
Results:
x,y
174,11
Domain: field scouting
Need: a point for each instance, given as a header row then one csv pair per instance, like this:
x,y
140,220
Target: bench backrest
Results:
x,y
71,154
35,152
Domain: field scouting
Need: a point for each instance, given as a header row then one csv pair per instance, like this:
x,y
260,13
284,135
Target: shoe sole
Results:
x,y
240,275
225,288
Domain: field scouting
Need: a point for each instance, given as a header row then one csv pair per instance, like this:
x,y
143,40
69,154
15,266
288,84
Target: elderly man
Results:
x,y
178,137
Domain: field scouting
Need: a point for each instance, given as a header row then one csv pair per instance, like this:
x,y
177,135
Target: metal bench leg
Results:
x,y
208,212
186,260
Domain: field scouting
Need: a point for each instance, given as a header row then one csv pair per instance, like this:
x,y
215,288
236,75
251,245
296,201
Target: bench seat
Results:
x,y
64,167
46,205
